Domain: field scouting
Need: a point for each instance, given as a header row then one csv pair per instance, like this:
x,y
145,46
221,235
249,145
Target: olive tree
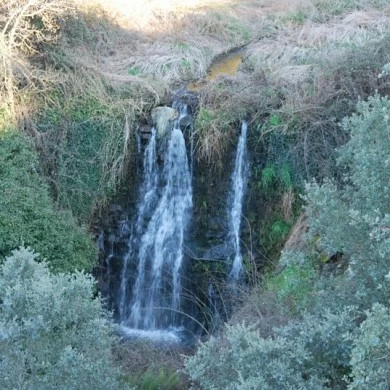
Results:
x,y
54,331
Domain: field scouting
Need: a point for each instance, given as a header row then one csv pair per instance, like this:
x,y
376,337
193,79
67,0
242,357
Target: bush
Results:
x,y
309,354
53,332
83,154
293,286
354,219
371,349
27,213
244,360
324,336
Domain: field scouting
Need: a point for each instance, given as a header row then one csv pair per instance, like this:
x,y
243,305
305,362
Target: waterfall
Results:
x,y
156,244
185,122
238,187
145,260
148,198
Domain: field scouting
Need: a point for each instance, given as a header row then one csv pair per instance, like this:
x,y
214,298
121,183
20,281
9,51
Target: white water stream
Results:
x,y
239,178
157,240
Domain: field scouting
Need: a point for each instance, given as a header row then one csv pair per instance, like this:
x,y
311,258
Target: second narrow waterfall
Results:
x,y
154,302
239,178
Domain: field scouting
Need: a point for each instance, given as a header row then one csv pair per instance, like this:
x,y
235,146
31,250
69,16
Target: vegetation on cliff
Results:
x,y
78,77
28,215
339,327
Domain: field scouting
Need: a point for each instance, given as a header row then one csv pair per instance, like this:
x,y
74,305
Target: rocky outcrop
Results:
x,y
163,118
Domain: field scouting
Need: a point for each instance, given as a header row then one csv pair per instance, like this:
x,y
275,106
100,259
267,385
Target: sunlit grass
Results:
x,y
151,15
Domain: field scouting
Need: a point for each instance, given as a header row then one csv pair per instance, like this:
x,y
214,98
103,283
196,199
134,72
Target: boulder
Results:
x,y
162,118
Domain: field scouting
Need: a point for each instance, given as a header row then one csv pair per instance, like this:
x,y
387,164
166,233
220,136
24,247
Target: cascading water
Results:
x,y
154,300
145,206
145,264
239,178
185,121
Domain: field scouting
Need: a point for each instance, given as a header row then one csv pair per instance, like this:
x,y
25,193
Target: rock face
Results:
x,y
190,98
220,252
162,118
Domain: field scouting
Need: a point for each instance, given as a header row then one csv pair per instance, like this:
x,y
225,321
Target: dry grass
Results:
x,y
291,55
263,310
173,41
309,69
19,38
142,50
295,239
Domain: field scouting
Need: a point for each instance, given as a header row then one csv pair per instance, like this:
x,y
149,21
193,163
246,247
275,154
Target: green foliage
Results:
x,y
134,71
276,178
27,213
275,120
286,176
164,380
371,350
298,17
204,119
354,219
53,332
276,189
185,63
293,286
326,336
150,380
244,360
85,141
279,229
268,175
309,354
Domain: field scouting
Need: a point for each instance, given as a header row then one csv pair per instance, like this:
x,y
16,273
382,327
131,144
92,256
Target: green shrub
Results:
x,y
244,360
275,178
309,354
53,332
354,219
164,379
28,215
371,350
324,336
83,155
293,286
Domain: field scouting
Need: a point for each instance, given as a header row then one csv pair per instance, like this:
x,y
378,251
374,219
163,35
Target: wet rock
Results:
x,y
190,98
185,121
162,118
219,252
114,208
144,132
